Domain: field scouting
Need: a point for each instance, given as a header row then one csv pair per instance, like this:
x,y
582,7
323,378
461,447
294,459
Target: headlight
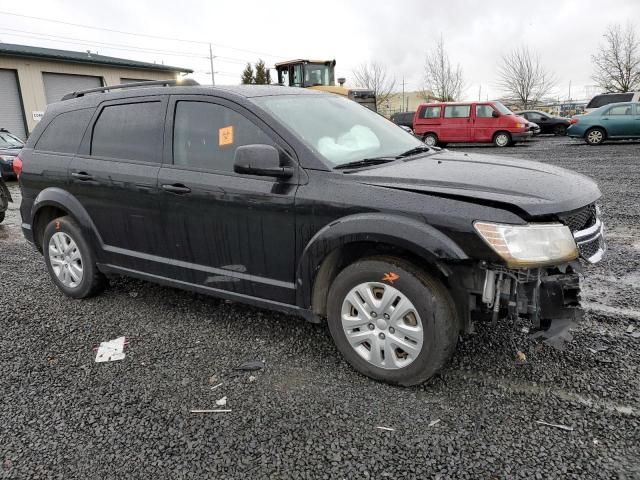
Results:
x,y
520,125
530,245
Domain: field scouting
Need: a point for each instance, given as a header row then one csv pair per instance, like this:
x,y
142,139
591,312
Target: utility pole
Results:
x,y
569,91
402,109
480,93
213,78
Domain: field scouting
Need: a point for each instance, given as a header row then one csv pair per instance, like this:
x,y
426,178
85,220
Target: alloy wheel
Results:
x,y
66,259
595,136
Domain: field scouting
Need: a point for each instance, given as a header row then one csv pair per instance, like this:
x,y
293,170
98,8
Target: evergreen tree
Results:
x,y
262,74
247,75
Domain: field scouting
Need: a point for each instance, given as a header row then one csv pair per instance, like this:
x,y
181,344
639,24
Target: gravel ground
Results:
x,y
308,414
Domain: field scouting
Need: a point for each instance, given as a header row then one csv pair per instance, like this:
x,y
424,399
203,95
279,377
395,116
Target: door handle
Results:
x,y
82,176
177,188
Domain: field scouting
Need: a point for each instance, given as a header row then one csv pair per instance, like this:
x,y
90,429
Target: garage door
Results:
x,y
11,114
56,85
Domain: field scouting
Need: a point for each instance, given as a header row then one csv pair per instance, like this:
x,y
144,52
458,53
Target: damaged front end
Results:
x,y
549,296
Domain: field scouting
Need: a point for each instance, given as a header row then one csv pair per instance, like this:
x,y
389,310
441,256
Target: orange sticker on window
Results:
x,y
225,136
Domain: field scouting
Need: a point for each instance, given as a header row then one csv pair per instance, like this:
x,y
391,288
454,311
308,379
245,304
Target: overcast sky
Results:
x,y
396,34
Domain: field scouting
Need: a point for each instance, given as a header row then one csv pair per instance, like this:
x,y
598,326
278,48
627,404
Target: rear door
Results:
x,y
619,120
115,176
223,230
484,123
456,124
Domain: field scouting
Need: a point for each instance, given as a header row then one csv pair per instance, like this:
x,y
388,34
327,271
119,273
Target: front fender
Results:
x,y
59,198
407,233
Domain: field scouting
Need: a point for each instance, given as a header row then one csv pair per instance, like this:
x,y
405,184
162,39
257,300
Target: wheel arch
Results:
x,y
364,235
54,202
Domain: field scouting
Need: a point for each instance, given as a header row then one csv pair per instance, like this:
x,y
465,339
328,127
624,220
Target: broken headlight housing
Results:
x,y
530,245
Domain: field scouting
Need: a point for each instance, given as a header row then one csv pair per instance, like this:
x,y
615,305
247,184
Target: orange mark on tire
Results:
x,y
57,224
390,277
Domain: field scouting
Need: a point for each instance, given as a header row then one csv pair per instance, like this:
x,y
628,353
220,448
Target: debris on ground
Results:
x,y
213,379
251,366
133,294
211,411
387,429
524,329
111,351
216,386
555,425
222,402
630,328
252,379
434,422
521,358
598,348
558,334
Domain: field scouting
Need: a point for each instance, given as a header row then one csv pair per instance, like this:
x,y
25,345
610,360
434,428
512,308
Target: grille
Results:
x,y
589,249
580,219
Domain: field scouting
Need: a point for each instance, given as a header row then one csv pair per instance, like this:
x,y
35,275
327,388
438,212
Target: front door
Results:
x,y
456,125
222,230
114,176
484,123
619,120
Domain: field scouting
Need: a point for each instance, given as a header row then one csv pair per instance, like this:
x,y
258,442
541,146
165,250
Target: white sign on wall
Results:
x,y
37,115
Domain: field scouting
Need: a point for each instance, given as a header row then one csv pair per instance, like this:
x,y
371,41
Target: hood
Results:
x,y
11,152
533,187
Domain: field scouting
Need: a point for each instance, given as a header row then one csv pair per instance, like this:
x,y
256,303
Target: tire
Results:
x,y
2,214
428,320
560,130
431,139
502,139
82,278
595,136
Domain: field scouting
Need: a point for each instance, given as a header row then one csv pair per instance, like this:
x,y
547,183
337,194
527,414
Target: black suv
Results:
x,y
404,119
305,202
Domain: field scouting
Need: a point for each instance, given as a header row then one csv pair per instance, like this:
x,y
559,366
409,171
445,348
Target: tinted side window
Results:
x,y
65,131
206,135
131,131
457,111
431,112
619,110
606,99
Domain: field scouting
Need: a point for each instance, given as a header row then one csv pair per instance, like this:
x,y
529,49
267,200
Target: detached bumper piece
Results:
x,y
549,297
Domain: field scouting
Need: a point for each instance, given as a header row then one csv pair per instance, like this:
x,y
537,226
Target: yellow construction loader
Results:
x,y
320,75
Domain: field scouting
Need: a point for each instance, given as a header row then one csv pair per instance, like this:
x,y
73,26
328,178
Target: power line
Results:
x,y
122,32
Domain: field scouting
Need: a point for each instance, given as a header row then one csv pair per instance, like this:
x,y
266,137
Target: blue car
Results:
x,y
616,121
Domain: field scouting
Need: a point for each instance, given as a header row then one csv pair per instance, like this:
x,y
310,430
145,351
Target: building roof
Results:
x,y
12,50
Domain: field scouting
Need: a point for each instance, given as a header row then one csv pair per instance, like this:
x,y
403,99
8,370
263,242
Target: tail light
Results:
x,y
573,120
17,166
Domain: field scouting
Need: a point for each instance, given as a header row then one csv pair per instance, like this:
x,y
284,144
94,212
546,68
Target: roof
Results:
x,y
301,60
12,50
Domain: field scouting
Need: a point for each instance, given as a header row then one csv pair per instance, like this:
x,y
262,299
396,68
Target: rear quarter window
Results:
x,y
607,98
430,112
65,131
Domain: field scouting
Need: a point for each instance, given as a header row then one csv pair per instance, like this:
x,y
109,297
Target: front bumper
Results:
x,y
521,136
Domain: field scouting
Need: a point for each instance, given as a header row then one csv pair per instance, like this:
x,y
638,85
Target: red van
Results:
x,y
442,123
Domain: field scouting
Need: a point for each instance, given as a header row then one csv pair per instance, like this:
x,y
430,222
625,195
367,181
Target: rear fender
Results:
x,y
409,234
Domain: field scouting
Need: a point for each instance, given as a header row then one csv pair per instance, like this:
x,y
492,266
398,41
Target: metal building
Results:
x,y
33,77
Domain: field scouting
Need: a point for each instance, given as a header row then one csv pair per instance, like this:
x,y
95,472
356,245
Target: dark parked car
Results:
x,y
10,146
5,198
547,123
404,119
307,203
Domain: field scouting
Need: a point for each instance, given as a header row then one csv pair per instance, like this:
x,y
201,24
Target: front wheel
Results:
x,y
595,136
392,321
430,139
502,139
560,130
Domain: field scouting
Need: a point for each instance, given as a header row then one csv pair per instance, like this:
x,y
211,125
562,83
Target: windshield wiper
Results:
x,y
365,162
415,151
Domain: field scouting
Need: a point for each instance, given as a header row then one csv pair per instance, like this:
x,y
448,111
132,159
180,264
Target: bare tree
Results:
x,y
442,81
373,76
617,62
523,78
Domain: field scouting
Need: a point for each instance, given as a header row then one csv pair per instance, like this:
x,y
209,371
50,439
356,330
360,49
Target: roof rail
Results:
x,y
165,83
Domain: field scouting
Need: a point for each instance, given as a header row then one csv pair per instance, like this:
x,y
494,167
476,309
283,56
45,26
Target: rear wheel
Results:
x,y
430,139
70,260
391,321
502,139
595,136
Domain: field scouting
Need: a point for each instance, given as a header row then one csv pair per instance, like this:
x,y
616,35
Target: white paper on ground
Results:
x,y
111,351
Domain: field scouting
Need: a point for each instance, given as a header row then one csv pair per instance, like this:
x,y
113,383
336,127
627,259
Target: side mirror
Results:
x,y
263,160
494,114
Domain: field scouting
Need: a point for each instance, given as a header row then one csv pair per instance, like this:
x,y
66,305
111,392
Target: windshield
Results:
x,y
502,109
338,129
9,141
317,74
